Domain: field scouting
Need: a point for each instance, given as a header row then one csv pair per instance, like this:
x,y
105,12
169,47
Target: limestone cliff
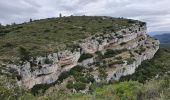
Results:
x,y
132,40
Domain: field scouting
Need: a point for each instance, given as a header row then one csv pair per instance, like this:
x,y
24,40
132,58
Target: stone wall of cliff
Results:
x,y
45,70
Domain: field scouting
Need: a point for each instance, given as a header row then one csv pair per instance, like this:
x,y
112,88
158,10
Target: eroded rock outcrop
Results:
x,y
123,70
45,70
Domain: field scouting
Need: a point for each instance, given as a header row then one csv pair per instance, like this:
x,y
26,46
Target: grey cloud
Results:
x,y
15,11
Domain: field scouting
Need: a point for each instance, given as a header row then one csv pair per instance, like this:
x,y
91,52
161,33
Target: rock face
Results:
x,y
102,41
130,69
47,73
45,70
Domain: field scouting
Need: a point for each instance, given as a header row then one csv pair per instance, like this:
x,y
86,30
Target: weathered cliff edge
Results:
x,y
39,72
130,69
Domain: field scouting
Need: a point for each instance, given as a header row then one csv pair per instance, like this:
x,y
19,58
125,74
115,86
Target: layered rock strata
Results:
x,y
45,70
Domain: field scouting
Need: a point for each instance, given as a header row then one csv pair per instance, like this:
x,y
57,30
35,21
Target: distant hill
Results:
x,y
164,39
153,33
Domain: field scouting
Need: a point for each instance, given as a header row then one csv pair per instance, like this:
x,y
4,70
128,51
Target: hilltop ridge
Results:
x,y
46,36
74,51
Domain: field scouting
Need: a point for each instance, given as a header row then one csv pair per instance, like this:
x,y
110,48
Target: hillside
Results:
x,y
73,53
156,67
131,90
41,37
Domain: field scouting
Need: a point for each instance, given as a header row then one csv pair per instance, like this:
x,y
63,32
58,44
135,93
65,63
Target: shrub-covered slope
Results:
x,y
75,54
39,51
46,36
150,81
153,68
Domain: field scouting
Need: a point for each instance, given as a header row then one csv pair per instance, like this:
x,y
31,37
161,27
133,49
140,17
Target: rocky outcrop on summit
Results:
x,y
45,70
102,41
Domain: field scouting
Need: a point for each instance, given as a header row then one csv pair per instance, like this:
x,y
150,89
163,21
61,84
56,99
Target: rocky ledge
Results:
x,y
132,44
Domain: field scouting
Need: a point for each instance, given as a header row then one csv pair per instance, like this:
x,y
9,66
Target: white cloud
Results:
x,y
155,12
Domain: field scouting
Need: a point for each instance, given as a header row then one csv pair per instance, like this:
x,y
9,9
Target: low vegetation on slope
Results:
x,y
153,68
143,85
44,36
129,90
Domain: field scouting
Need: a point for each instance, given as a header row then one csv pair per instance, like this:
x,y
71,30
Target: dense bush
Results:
x,y
46,30
9,89
8,45
2,34
63,76
70,85
4,31
81,79
123,43
111,53
119,36
103,73
99,54
39,89
24,54
48,61
85,56
79,86
131,21
130,61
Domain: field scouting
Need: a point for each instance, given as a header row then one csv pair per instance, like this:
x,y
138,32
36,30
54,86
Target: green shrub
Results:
x,y
2,34
79,86
131,21
99,54
85,56
90,78
130,61
70,85
85,78
48,61
119,58
39,89
119,36
63,76
111,53
6,31
118,62
103,73
76,85
123,43
142,49
9,89
46,30
24,54
81,79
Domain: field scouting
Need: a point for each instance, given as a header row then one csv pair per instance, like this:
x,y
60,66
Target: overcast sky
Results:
x,y
155,12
